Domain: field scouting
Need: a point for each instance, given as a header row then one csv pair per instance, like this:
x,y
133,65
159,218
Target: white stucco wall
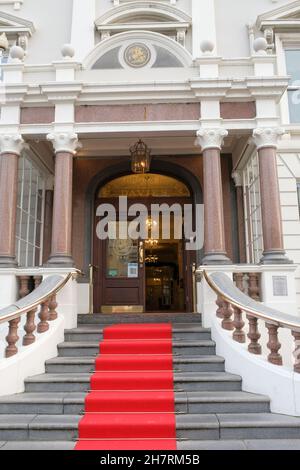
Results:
x,y
52,20
232,17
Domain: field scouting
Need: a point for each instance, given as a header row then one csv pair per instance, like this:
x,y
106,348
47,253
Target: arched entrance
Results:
x,y
153,274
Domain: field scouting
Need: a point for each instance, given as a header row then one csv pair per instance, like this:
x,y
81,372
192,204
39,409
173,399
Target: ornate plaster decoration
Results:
x,y
17,29
137,55
149,15
267,136
64,142
211,138
16,3
237,178
11,143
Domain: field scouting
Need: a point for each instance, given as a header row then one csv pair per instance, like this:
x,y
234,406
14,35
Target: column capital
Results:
x,y
237,177
64,142
11,143
265,137
211,138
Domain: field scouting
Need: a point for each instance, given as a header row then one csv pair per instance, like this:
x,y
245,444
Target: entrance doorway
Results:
x,y
152,274
165,277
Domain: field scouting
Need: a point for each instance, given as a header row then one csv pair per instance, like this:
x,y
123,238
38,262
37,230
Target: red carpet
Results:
x,y
131,405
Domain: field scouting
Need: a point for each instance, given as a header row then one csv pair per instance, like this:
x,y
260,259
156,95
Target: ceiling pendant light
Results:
x,y
140,158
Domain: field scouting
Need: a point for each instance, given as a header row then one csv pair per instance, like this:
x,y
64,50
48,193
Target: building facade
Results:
x,y
210,87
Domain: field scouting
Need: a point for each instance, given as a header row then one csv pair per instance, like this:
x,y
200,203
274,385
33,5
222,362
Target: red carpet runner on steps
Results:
x,y
131,405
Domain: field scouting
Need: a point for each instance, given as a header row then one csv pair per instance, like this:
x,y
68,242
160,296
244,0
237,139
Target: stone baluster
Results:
x,y
43,325
238,323
227,323
253,288
254,336
239,281
296,335
24,286
274,345
37,281
29,326
52,308
220,304
12,338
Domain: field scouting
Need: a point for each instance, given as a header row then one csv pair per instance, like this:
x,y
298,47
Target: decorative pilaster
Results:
x,y
11,146
65,145
211,141
266,142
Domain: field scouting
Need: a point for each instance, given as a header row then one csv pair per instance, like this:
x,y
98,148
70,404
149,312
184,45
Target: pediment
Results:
x,y
285,17
146,12
13,24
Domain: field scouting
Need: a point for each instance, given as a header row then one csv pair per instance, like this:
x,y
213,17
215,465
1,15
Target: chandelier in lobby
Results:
x,y
140,158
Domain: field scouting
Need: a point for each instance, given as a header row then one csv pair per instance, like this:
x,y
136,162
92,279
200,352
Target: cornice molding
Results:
x,y
117,13
12,23
280,17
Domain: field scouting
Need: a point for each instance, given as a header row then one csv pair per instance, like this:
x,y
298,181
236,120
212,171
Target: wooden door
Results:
x,y
120,273
189,261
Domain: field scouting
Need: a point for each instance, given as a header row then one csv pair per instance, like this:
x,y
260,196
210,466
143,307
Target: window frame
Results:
x,y
252,205
298,193
25,213
283,42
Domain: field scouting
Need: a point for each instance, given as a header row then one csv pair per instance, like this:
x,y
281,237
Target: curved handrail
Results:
x,y
49,287
224,287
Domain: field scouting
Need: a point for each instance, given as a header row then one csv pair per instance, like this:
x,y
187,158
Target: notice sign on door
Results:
x,y
133,270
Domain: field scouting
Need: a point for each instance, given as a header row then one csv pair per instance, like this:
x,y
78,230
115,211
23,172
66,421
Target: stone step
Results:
x,y
193,427
140,318
181,331
237,426
181,348
181,364
37,445
247,444
185,402
184,381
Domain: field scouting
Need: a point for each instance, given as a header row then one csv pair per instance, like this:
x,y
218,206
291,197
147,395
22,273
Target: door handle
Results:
x,y
141,253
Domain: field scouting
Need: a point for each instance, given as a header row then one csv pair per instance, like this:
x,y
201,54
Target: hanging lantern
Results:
x,y
140,158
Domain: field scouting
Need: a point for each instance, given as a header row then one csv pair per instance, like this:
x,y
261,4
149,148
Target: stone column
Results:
x,y
266,142
65,145
211,141
238,181
11,146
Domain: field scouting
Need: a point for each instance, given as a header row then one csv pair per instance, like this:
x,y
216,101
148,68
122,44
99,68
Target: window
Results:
x,y
293,69
298,191
252,204
30,214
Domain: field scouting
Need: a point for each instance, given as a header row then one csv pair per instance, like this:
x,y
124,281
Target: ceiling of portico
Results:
x,y
117,145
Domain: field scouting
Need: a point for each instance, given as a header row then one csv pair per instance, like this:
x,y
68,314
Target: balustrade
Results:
x,y
232,303
33,294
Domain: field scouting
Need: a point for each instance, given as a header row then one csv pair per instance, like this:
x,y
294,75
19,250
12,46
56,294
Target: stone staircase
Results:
x,y
212,410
